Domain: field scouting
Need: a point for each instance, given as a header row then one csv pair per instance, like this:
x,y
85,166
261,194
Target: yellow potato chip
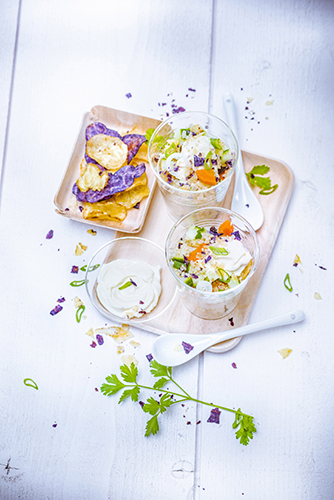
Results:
x,y
129,199
104,210
129,359
141,155
110,152
92,178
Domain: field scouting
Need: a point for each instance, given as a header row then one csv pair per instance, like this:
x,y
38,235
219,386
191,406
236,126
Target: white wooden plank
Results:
x,y
72,56
282,53
8,31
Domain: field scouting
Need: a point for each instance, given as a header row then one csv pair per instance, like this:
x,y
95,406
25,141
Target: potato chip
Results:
x,y
100,128
110,152
104,210
131,197
133,142
92,178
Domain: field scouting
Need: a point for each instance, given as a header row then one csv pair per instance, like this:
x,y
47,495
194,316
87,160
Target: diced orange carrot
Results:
x,y
226,228
206,176
194,255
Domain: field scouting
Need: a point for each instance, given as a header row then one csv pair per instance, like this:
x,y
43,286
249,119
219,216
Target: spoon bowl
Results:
x,y
174,349
244,201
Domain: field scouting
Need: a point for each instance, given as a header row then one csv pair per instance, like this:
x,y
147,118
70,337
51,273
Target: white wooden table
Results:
x,y
68,441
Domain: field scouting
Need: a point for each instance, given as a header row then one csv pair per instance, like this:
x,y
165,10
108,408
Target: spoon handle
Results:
x,y
284,319
230,112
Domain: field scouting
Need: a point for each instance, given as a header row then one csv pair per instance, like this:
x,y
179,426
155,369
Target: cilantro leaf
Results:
x,y
114,385
129,373
165,402
151,406
133,393
158,370
269,191
261,182
152,426
259,170
264,183
159,384
246,427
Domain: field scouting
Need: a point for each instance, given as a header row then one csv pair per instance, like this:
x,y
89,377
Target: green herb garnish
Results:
x,y
225,277
77,283
287,283
200,231
29,382
216,143
126,285
264,183
243,424
219,250
79,313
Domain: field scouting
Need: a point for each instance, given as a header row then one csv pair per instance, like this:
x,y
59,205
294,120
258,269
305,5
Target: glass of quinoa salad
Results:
x,y
212,254
192,155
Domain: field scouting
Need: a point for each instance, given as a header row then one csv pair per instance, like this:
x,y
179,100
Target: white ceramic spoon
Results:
x,y
168,350
244,201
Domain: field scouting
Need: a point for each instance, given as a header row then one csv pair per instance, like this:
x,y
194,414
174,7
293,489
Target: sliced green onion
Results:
x,y
207,161
287,283
269,191
200,231
189,281
126,285
79,313
92,268
215,143
177,264
169,151
33,384
77,283
179,259
222,273
219,250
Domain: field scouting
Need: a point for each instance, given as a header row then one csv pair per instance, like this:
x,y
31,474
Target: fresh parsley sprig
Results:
x,y
243,423
264,183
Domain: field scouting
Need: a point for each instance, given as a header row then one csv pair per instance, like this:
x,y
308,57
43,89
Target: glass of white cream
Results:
x,y
212,271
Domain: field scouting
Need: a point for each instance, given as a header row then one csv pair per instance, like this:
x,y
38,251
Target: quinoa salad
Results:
x,y
192,160
211,259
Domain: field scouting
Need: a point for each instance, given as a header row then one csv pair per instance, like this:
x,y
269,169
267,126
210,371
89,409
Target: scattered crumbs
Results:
x,y
188,423
198,422
317,296
92,232
149,357
134,343
90,332
75,269
192,90
250,99
129,359
297,261
80,249
54,425
142,404
121,333
267,117
61,299
323,268
269,103
49,235
77,302
178,348
93,344
234,365
231,321
100,339
214,416
180,109
128,95
119,349
285,352
187,347
96,389
247,205
56,310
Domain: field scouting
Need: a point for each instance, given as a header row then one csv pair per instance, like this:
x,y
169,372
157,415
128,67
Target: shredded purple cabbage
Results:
x,y
207,259
198,161
56,310
236,235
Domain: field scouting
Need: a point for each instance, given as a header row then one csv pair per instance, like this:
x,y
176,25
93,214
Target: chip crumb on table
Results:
x,y
285,352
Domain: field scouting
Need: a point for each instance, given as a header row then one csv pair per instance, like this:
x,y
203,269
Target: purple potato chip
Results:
x,y
133,142
56,310
187,347
93,344
99,128
99,339
49,235
214,416
90,160
118,182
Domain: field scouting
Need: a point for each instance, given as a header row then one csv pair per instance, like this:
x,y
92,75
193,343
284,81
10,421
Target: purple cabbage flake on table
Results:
x,y
187,347
133,142
99,339
49,235
118,182
128,95
56,310
61,299
75,269
149,357
214,416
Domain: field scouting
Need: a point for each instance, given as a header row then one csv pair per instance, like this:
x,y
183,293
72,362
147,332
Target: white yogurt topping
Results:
x,y
141,295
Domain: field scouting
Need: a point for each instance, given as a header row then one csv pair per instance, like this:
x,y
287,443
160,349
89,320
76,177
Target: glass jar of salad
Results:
x,y
192,155
212,254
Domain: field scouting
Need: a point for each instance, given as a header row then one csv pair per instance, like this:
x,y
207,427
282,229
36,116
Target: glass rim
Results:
x,y
165,122
256,257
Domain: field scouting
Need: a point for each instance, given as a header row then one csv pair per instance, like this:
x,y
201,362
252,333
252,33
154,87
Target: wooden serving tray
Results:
x,y
124,123
158,223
